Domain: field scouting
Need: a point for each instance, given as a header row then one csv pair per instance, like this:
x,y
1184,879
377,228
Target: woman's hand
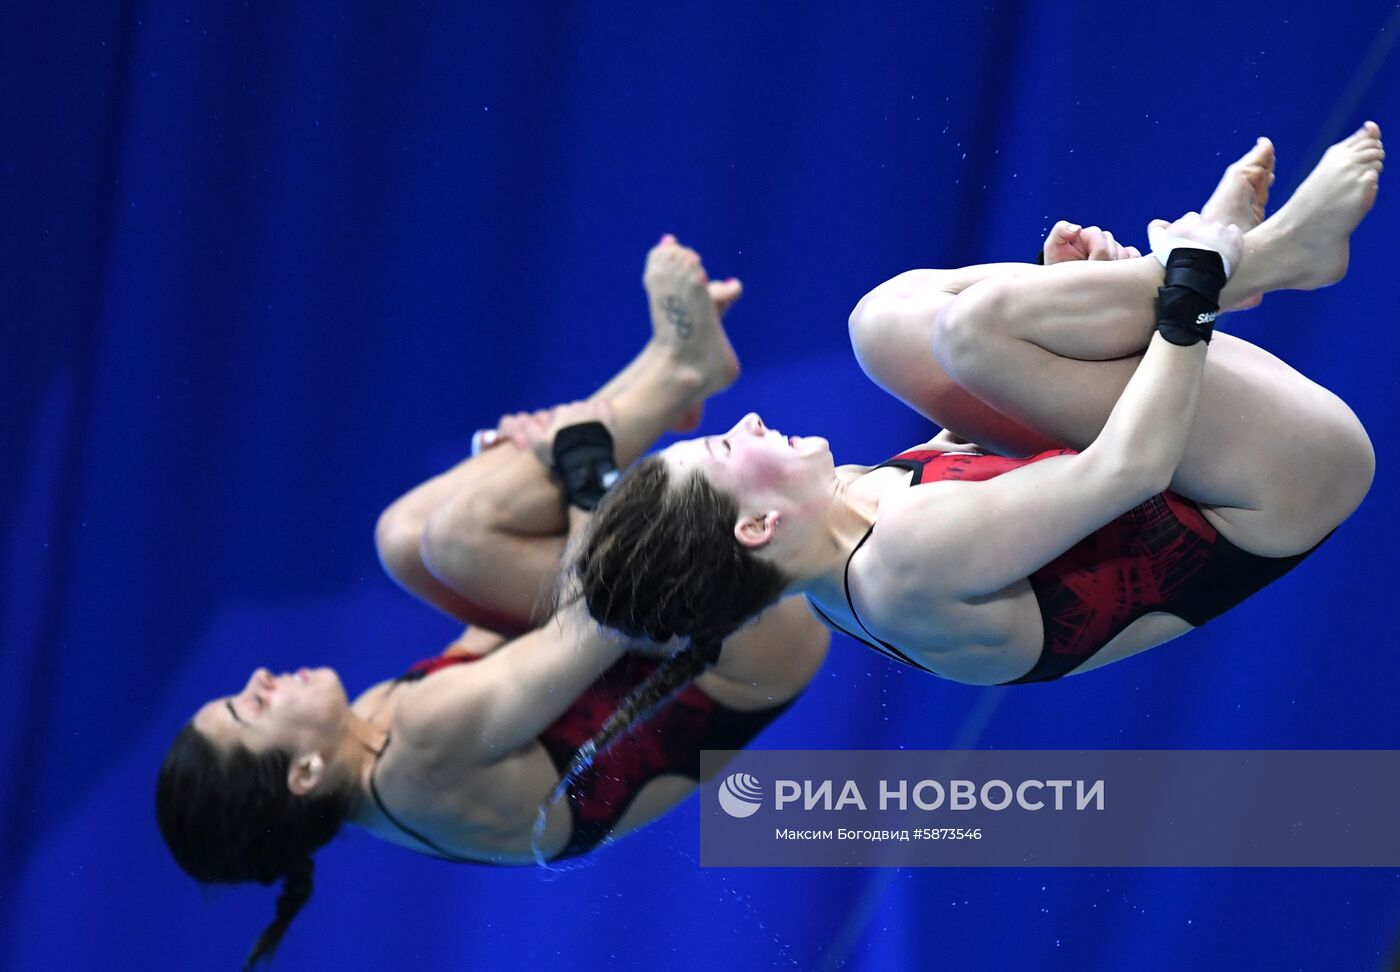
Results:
x,y
526,430
510,428
1069,241
519,426
539,429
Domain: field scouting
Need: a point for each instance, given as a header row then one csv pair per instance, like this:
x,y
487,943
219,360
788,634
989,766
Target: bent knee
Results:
x,y
398,536
867,324
894,332
452,533
964,332
900,312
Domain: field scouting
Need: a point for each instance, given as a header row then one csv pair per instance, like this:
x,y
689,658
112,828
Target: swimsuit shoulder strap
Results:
x,y
405,828
869,639
912,460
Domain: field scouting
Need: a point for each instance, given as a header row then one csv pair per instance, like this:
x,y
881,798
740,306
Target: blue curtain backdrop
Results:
x,y
265,266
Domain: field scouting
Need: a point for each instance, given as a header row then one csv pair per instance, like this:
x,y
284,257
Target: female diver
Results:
x,y
1199,478
453,759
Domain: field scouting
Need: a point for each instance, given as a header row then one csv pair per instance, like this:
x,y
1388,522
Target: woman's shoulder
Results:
x,y
912,547
373,700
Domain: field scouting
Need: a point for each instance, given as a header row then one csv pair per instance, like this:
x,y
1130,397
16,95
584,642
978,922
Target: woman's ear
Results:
x,y
305,773
757,531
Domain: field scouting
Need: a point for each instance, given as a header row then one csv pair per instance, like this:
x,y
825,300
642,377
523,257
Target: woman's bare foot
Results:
x,y
1240,198
1243,191
685,314
1310,237
724,293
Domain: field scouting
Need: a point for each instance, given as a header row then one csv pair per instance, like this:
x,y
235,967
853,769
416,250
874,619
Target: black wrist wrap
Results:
x,y
583,458
1189,298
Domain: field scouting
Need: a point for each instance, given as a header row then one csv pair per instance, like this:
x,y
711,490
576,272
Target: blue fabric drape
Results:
x,y
265,266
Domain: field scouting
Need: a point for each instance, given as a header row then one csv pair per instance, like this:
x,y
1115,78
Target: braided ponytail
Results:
x,y
296,891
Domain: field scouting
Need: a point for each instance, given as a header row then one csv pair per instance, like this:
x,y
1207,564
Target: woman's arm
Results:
x,y
483,711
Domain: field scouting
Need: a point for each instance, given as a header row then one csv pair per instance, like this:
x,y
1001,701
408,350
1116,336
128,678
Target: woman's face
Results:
x,y
769,474
303,711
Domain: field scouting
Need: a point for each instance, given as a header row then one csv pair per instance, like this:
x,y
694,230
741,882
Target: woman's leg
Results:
x,y
482,541
892,328
1048,350
398,538
516,500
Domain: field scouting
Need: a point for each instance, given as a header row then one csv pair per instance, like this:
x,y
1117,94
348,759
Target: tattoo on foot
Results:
x,y
675,313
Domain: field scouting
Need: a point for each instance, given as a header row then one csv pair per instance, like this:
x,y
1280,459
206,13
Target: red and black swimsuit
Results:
x,y
669,741
1160,556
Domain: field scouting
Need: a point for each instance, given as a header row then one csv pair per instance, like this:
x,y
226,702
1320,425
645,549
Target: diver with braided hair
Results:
x,y
1160,485
453,758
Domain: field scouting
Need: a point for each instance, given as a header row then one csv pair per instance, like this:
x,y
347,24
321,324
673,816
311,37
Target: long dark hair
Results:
x,y
658,561
228,816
